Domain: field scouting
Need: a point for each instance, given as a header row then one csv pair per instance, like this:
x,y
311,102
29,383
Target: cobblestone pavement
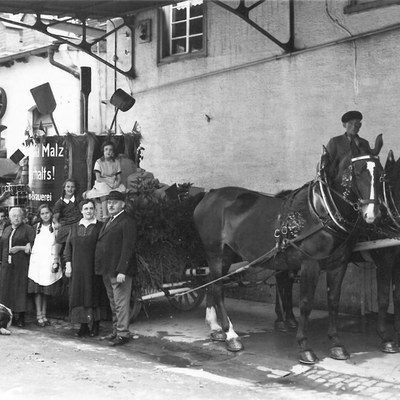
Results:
x,y
335,383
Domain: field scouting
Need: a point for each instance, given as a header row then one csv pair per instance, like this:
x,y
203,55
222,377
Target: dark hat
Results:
x,y
346,117
115,195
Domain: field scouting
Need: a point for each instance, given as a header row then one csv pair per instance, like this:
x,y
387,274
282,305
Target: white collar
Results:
x,y
116,215
86,222
68,200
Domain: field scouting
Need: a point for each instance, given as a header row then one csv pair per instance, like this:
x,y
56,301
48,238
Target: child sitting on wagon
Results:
x,y
108,176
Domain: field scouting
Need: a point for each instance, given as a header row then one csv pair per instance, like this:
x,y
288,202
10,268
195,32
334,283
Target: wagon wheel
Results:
x,y
135,304
188,301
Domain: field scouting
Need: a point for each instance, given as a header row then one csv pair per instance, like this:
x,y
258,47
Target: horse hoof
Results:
x,y
291,324
339,353
389,347
308,357
280,326
218,336
234,345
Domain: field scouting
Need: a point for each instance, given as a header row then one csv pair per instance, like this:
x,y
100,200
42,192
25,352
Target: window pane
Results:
x,y
178,46
178,14
179,29
196,11
196,26
196,43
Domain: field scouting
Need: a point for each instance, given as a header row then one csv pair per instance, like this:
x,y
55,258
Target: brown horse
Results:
x,y
311,228
387,259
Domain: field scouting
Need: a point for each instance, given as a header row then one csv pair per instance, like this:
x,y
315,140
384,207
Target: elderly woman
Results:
x,y
85,286
15,248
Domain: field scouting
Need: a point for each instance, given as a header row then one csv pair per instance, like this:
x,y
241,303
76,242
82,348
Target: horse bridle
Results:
x,y
360,201
326,192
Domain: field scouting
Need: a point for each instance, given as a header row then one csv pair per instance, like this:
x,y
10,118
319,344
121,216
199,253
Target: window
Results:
x,y
182,30
355,6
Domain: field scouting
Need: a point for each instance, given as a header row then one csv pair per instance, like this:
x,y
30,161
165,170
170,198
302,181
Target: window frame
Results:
x,y
357,6
163,39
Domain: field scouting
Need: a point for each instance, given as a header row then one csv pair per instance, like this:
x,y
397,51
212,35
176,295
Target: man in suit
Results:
x,y
348,144
115,260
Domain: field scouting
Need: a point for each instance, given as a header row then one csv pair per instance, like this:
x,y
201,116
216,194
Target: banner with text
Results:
x,y
47,162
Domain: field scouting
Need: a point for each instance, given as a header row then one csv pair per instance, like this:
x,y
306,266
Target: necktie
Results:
x,y
109,222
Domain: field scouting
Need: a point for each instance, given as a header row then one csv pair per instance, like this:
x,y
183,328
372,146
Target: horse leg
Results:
x,y
216,311
308,282
233,342
383,278
396,300
334,285
284,302
217,334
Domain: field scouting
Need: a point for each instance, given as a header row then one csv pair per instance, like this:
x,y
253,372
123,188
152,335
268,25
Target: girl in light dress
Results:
x,y
43,281
108,176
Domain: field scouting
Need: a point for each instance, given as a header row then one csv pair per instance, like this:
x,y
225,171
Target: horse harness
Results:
x,y
288,234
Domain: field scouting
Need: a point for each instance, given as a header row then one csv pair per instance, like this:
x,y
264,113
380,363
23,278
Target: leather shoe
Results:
x,y
83,331
111,336
94,331
20,323
118,341
21,320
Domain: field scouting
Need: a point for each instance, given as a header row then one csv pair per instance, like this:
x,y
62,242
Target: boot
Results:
x,y
95,329
83,331
21,320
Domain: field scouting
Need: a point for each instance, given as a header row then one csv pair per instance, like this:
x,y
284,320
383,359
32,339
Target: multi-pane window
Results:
x,y
183,28
366,5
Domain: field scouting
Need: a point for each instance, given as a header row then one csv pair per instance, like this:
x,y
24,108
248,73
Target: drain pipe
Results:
x,y
71,71
52,61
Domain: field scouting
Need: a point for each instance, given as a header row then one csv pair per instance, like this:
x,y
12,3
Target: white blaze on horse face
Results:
x,y
211,319
369,211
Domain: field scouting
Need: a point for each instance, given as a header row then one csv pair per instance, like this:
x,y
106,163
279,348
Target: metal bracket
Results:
x,y
85,45
243,11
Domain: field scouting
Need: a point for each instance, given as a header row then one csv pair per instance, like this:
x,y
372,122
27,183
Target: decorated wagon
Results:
x,y
169,255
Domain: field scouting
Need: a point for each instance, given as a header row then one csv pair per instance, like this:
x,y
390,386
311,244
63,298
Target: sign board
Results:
x,y
47,163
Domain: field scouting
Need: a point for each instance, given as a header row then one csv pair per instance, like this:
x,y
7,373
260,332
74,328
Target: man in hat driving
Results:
x,y
115,260
350,142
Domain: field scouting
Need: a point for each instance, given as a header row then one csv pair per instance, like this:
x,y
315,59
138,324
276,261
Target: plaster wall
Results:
x,y
21,77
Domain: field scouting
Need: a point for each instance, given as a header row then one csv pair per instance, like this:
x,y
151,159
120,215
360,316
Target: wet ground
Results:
x,y
172,356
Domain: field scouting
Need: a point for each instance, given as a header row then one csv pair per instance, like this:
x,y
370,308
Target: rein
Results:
x,y
390,204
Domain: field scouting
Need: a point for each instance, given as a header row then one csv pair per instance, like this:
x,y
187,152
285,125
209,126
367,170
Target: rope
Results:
x,y
264,257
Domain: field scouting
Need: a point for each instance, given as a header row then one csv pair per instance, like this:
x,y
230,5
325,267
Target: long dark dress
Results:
x,y
86,288
14,274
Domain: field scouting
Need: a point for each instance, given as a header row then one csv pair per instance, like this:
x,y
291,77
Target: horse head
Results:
x,y
357,178
391,187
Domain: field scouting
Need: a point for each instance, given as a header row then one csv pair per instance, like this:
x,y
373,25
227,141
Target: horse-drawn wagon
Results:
x,y
313,228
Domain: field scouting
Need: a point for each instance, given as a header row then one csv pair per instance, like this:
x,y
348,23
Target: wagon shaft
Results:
x,y
376,244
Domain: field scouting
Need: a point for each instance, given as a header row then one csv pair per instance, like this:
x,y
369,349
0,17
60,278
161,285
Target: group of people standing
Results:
x,y
99,257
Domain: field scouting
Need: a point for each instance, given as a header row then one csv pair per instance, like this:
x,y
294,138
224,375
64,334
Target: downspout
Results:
x,y
71,71
115,59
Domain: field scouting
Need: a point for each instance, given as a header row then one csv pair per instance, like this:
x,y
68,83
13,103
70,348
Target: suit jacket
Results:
x,y
115,248
340,147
